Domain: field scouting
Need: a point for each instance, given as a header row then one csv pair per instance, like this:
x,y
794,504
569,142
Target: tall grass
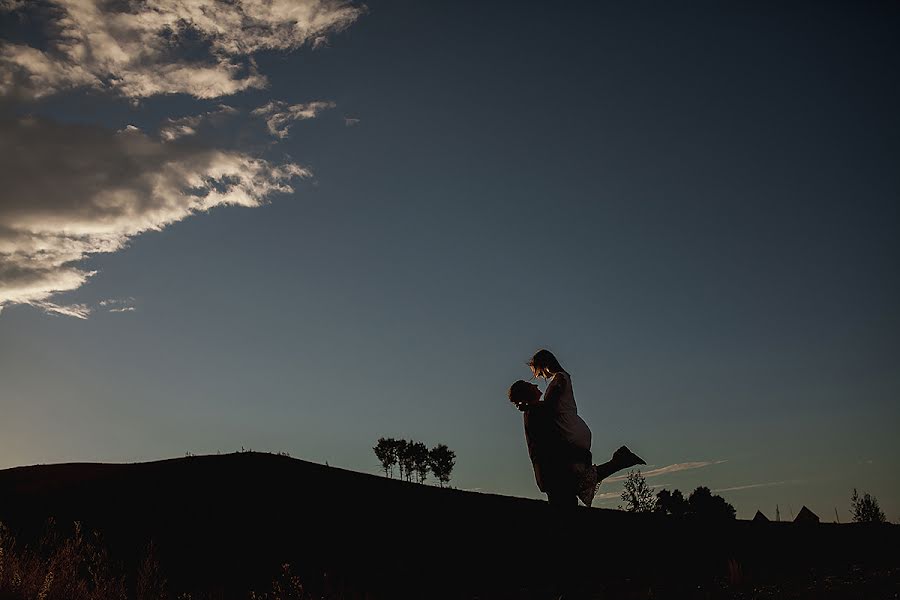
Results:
x,y
79,567
76,567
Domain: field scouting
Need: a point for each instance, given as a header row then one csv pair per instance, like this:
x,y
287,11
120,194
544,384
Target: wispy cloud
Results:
x,y
174,128
350,121
617,495
758,485
280,115
140,48
118,305
79,311
608,495
72,191
685,466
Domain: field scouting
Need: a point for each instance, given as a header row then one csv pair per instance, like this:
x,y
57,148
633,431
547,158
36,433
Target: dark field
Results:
x,y
223,526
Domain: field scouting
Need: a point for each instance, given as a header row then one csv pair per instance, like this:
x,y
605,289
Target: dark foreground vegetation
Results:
x,y
225,527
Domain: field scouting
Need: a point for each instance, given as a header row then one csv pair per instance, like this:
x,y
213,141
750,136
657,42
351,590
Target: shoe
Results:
x,y
624,458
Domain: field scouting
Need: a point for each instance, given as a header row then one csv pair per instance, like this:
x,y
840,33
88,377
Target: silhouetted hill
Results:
x,y
227,522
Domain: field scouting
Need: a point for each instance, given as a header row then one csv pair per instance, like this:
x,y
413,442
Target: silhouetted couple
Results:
x,y
559,441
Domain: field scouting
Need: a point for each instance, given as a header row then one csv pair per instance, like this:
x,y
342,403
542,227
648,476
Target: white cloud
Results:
x,y
350,121
139,48
72,191
279,115
685,466
174,128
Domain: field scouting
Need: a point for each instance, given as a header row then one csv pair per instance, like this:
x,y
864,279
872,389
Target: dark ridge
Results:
x,y
227,522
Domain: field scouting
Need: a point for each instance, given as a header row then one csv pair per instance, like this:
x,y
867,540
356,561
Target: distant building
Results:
x,y
806,516
760,518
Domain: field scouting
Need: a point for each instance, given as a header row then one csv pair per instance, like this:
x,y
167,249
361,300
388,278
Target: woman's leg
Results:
x,y
621,459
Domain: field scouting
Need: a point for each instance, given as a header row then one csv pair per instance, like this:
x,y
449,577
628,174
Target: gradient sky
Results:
x,y
696,208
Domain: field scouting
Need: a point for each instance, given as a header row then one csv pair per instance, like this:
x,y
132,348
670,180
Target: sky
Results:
x,y
302,225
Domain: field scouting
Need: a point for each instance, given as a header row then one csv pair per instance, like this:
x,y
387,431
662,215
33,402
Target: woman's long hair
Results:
x,y
544,364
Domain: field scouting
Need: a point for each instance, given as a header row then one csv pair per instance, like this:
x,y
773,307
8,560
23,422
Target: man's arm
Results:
x,y
540,433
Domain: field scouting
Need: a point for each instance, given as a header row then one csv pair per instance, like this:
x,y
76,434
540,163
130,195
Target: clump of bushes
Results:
x,y
701,504
865,509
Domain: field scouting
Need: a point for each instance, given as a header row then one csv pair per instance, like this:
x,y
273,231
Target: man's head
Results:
x,y
523,394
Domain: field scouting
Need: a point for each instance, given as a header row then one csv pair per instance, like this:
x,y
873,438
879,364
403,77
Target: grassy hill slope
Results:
x,y
227,522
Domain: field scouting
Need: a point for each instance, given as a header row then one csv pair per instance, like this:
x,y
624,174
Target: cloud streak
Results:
x,y
139,49
279,115
74,191
757,485
179,127
606,496
677,467
118,305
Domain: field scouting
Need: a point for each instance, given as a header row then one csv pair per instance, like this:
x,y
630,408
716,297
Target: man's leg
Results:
x,y
562,498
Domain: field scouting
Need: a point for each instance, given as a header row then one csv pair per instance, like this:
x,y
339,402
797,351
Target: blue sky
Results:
x,y
695,208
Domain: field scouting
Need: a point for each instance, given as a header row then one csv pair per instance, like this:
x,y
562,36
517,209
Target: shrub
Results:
x,y
637,495
865,509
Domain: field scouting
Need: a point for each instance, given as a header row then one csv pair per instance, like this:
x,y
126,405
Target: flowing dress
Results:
x,y
561,397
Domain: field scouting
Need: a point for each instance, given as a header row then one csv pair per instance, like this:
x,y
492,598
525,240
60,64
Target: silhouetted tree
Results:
x,y
706,505
400,449
386,451
419,453
406,458
637,495
396,447
441,459
414,459
865,509
671,503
